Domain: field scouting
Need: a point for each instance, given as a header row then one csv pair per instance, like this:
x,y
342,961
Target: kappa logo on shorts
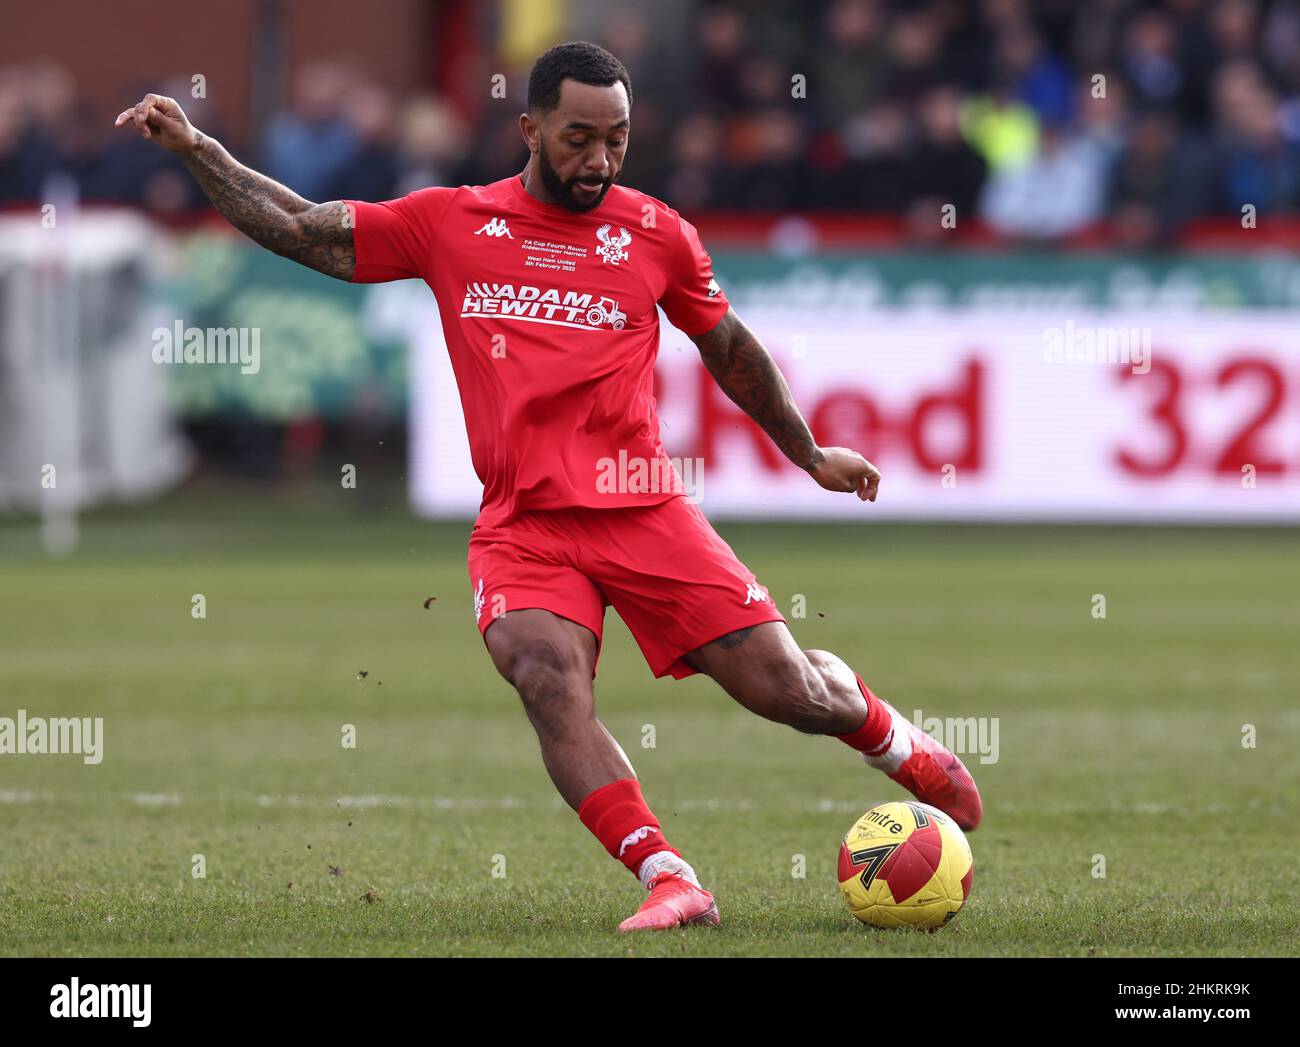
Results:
x,y
635,837
755,593
478,601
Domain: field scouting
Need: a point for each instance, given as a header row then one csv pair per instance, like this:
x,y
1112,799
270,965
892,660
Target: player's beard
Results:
x,y
562,192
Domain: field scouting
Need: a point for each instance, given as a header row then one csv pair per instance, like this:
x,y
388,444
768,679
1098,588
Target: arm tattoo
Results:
x,y
747,373
318,236
732,640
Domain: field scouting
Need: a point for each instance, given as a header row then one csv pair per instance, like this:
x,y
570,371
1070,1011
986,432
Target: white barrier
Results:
x,y
84,415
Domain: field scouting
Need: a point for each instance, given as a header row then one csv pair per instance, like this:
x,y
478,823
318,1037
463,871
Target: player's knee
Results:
x,y
547,676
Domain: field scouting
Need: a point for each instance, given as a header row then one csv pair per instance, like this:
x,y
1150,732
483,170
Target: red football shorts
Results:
x,y
662,567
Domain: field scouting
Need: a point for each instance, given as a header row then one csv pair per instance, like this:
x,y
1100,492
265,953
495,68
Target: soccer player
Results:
x,y
548,283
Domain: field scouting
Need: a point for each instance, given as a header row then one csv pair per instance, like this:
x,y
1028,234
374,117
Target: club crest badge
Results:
x,y
613,249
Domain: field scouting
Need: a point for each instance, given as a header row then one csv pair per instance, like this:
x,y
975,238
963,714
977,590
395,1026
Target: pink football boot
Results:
x,y
927,770
673,902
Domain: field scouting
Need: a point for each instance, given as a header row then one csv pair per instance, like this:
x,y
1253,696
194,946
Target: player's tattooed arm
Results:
x,y
746,372
318,236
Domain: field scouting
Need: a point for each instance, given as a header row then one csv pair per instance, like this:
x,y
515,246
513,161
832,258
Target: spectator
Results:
x,y
19,161
371,171
699,175
873,177
1059,191
1260,167
1002,129
1043,81
772,175
1162,179
1150,59
308,146
941,168
852,68
722,43
914,49
431,140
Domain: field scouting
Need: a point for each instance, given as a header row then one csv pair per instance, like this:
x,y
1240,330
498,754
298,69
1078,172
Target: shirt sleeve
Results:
x,y
692,301
393,239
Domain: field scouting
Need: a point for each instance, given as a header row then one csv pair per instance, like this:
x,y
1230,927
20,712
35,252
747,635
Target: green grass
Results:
x,y
1119,737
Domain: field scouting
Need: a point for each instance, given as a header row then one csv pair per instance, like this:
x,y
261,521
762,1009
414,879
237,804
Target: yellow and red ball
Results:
x,y
905,864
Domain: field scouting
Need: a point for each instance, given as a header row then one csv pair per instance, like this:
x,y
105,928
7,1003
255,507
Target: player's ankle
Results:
x,y
666,862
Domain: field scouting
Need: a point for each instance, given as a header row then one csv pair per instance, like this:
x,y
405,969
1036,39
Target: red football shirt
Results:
x,y
551,325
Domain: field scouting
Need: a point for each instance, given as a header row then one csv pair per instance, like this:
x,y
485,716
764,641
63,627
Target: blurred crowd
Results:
x,y
340,135
1041,117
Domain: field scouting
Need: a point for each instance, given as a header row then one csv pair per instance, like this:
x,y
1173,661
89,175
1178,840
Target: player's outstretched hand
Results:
x,y
843,470
159,118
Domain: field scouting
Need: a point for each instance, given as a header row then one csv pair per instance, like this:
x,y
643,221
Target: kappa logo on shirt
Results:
x,y
754,594
496,227
478,601
714,289
612,250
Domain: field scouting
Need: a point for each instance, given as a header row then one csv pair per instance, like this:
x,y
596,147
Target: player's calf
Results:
x,y
549,661
763,669
816,692
797,695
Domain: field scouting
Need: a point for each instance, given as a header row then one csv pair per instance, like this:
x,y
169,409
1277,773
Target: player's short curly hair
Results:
x,y
585,62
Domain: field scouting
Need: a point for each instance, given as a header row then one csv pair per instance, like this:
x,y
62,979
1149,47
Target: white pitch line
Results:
x,y
25,796
439,803
512,803
156,799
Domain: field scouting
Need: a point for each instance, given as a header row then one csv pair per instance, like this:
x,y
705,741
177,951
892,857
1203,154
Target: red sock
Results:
x,y
618,817
874,733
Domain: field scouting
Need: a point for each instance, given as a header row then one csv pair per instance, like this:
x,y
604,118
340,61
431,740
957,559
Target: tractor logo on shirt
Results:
x,y
612,250
606,311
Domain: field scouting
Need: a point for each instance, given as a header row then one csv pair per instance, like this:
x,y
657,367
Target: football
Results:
x,y
905,864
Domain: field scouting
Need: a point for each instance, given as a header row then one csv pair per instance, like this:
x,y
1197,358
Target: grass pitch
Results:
x,y
1119,737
